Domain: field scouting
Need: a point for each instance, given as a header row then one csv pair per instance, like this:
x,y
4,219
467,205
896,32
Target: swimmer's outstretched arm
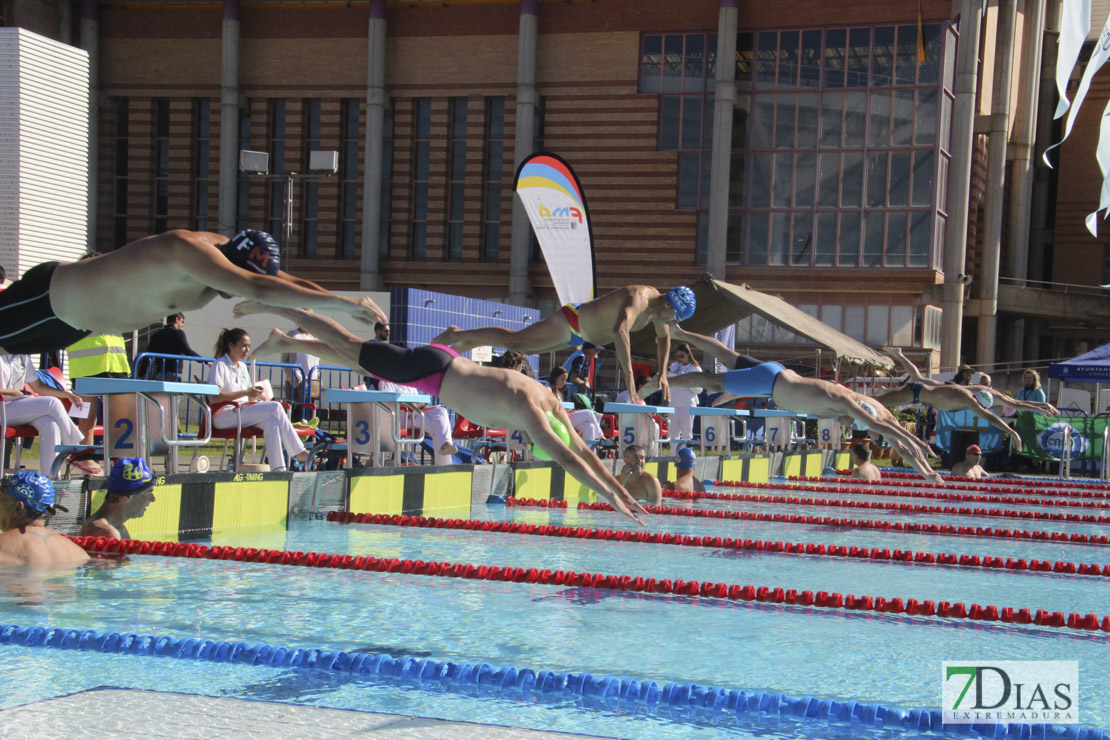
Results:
x,y
1036,407
206,264
573,461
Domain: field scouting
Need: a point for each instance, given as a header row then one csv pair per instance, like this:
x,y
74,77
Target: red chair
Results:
x,y
17,432
487,439
240,434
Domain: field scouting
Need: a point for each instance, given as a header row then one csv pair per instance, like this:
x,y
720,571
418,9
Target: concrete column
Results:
x,y
1040,205
90,42
229,120
986,350
65,22
959,184
370,276
724,101
1021,164
520,288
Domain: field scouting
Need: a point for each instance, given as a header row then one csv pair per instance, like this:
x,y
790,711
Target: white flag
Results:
x,y
1098,58
727,337
1103,155
1075,24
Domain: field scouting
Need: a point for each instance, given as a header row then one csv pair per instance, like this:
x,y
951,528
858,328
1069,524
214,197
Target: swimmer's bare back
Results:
x,y
179,270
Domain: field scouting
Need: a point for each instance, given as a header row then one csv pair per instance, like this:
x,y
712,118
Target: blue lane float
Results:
x,y
526,684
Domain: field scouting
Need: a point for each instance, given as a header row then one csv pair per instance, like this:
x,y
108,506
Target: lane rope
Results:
x,y
522,684
987,485
910,508
572,579
728,543
829,521
862,489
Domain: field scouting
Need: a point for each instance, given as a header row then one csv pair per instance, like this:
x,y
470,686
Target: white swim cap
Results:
x,y
870,412
985,397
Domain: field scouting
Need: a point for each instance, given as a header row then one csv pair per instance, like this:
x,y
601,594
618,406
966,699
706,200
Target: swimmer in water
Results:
x,y
488,396
25,500
55,304
751,378
611,318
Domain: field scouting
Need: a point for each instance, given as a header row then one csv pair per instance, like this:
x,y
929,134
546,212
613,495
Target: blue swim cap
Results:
x,y
254,250
33,489
685,458
130,475
682,300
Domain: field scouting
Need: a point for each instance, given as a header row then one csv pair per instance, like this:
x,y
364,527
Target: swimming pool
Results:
x,y
764,649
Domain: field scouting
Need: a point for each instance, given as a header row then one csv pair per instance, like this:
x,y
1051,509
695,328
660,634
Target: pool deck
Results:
x,y
118,713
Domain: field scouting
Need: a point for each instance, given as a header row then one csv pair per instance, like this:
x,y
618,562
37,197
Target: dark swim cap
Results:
x,y
254,250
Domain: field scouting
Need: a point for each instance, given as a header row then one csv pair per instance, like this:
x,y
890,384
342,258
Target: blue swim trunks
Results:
x,y
753,381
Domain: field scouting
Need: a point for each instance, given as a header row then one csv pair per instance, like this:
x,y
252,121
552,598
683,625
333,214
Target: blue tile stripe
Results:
x,y
607,692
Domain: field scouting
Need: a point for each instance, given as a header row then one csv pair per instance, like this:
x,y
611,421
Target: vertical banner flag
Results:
x,y
556,206
1075,24
1098,57
727,337
1102,154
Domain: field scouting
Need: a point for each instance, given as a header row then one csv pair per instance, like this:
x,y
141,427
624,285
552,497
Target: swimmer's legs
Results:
x,y
333,342
711,382
710,345
548,335
909,367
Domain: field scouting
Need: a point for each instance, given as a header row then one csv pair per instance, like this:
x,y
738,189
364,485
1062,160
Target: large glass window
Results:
x,y
534,252
839,141
494,170
386,211
119,189
456,178
348,173
202,147
276,211
422,141
243,211
310,205
161,164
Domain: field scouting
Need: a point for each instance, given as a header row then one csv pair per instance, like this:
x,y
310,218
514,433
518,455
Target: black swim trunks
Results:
x,y
743,362
27,321
422,368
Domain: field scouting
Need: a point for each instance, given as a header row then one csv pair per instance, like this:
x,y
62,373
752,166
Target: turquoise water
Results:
x,y
835,654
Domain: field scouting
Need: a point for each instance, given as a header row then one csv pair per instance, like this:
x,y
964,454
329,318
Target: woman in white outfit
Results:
x,y
584,420
683,399
231,374
44,412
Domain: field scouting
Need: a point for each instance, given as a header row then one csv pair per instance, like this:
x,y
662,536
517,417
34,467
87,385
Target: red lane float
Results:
x,y
727,543
910,508
1074,487
764,594
872,490
828,521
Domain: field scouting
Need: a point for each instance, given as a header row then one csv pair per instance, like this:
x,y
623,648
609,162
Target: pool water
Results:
x,y
893,660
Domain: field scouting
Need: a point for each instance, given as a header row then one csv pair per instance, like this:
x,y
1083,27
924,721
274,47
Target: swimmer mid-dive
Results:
x,y
792,392
610,318
55,304
983,391
488,396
